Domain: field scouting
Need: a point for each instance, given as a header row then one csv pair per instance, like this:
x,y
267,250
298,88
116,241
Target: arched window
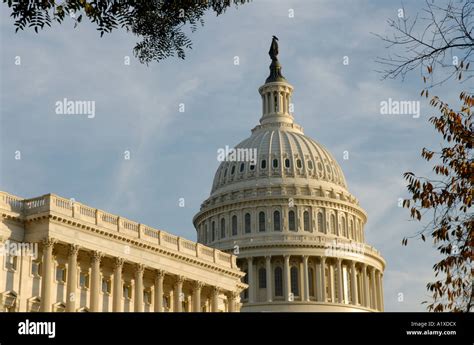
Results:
x,y
247,223
278,281
222,228
292,221
343,224
287,163
333,224
234,225
310,165
306,221
261,221
205,233
351,229
299,165
213,231
294,281
263,164
262,278
275,163
320,222
242,166
276,221
311,281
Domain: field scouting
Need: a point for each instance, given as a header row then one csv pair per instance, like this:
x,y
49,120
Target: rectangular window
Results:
x,y
11,262
127,291
60,274
84,280
106,286
147,296
35,268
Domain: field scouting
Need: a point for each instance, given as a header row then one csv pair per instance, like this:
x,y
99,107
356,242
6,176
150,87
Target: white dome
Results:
x,y
284,155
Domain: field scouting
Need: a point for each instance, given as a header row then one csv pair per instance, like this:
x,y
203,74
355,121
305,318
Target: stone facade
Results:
x,y
83,259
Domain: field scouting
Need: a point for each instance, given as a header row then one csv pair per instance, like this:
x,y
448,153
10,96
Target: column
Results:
x,y
382,307
379,290
331,277
268,262
231,300
138,303
95,280
323,279
46,281
159,278
178,294
267,103
340,291
250,280
373,292
71,278
366,286
117,297
215,300
286,278
197,287
305,278
354,283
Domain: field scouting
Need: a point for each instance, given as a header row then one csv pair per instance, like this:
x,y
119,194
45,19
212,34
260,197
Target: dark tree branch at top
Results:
x,y
159,23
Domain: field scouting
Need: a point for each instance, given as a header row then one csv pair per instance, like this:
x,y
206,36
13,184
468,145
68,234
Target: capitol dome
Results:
x,y
280,202
285,155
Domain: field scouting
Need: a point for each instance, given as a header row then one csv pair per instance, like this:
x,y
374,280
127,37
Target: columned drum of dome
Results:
x,y
297,231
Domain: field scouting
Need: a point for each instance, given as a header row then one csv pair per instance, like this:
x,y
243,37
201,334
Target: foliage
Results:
x,y
450,199
159,23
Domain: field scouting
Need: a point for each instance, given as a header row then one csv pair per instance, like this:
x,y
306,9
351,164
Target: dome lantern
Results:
x,y
276,92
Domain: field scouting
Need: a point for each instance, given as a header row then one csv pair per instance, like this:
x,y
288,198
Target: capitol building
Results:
x,y
289,217
280,232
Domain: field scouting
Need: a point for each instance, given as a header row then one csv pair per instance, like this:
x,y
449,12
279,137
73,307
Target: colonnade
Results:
x,y
304,278
213,293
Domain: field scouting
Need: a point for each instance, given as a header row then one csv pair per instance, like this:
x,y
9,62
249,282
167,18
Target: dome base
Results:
x,y
296,306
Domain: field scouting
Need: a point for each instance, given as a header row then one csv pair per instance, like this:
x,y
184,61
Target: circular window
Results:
x,y
263,164
275,163
287,163
299,165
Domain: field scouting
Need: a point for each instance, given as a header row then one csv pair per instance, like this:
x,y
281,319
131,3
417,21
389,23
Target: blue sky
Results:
x,y
173,154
